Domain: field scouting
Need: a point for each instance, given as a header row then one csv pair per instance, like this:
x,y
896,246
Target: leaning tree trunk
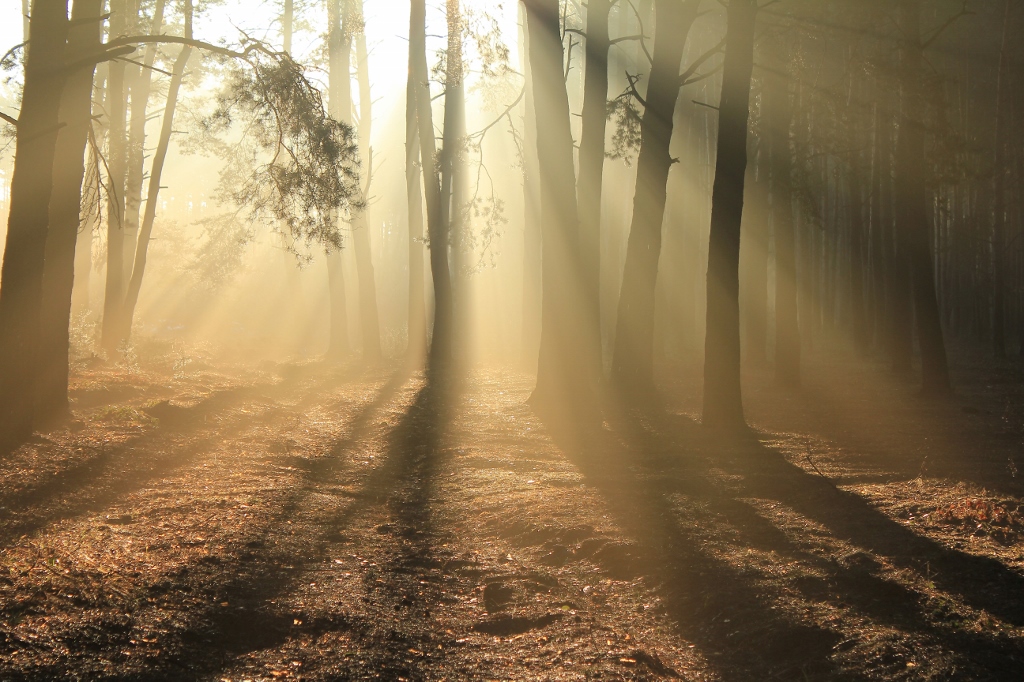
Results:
x,y
561,384
633,359
131,298
65,213
912,207
113,293
591,162
141,87
437,230
368,315
21,278
417,324
723,402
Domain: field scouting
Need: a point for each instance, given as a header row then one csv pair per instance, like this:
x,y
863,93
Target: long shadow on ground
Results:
x,y
212,639
650,466
107,473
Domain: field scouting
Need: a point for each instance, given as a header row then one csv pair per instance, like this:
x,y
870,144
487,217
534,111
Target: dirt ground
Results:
x,y
320,522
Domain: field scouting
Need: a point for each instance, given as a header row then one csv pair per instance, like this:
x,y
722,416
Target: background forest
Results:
x,y
543,339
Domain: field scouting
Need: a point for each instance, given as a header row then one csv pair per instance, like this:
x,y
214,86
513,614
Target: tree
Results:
x,y
437,229
140,84
368,316
338,82
633,359
117,161
138,270
591,176
561,384
531,209
723,402
787,324
65,212
21,278
999,196
911,208
417,319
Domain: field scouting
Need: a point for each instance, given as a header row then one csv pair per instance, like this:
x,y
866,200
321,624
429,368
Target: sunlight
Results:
x,y
518,339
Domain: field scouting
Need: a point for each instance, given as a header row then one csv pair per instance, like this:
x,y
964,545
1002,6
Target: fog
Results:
x,y
535,339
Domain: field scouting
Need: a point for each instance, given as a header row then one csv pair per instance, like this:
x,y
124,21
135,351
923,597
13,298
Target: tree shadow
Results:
x,y
108,473
401,487
652,467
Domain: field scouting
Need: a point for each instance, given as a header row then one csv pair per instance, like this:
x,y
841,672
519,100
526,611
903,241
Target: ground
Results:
x,y
321,522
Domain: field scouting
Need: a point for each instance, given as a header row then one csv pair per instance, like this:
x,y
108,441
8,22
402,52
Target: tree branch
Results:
x,y
685,75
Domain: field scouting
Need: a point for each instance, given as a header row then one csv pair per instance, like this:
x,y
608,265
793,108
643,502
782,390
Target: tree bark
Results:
x,y
21,277
131,298
338,94
417,324
858,222
113,294
287,25
368,314
65,214
141,87
561,384
531,214
453,174
999,198
723,402
755,239
437,230
338,345
912,207
787,321
633,358
591,163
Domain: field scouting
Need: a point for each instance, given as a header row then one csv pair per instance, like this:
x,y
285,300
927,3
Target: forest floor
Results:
x,y
318,522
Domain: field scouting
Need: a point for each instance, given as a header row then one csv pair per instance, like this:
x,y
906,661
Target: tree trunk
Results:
x,y
787,321
113,294
437,230
338,345
25,23
287,25
633,359
531,214
858,222
91,196
368,315
591,162
21,278
561,385
723,402
999,198
912,208
141,87
417,325
755,237
453,194
339,105
65,213
131,298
